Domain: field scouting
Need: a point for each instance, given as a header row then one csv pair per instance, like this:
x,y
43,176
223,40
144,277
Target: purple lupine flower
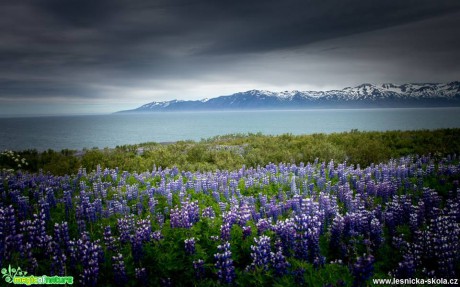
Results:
x,y
18,240
137,247
198,266
279,262
72,252
319,261
61,234
313,235
208,212
10,221
144,229
109,240
293,186
58,258
406,268
87,278
119,270
442,245
223,206
152,203
44,209
299,276
156,236
308,228
50,198
193,211
262,225
362,269
243,214
90,255
126,228
337,230
329,205
273,209
81,225
169,197
261,253
186,216
285,230
39,230
247,231
176,220
414,219
433,250
27,228
224,264
143,234
160,218
190,245
376,233
230,217
23,207
431,201
225,231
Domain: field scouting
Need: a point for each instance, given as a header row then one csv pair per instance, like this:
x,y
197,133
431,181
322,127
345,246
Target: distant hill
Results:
x,y
362,96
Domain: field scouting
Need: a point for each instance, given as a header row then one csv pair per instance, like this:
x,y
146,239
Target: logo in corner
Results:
x,y
10,273
17,276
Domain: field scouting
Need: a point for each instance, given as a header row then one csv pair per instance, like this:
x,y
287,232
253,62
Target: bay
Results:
x,y
110,130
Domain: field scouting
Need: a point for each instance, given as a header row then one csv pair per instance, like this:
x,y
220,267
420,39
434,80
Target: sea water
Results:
x,y
110,130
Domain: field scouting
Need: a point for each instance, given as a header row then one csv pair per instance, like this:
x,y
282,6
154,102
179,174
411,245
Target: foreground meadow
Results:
x,y
324,222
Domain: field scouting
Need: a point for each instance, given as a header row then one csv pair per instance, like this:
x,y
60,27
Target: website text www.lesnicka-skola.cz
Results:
x,y
415,281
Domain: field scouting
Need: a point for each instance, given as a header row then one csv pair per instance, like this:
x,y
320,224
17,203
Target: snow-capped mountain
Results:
x,y
362,96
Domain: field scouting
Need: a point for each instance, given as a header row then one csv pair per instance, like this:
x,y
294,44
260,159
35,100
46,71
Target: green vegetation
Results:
x,y
232,151
320,224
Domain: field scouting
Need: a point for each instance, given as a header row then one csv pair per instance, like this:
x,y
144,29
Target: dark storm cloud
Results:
x,y
90,49
285,24
79,13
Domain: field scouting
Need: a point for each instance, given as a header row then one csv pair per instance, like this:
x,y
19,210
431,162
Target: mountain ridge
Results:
x,y
362,96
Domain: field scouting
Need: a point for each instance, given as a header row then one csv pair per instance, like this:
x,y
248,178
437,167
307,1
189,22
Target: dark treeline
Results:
x,y
232,151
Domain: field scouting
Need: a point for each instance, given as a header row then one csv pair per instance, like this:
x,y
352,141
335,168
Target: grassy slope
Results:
x,y
232,151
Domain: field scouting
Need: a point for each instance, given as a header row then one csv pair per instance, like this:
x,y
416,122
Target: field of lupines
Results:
x,y
315,224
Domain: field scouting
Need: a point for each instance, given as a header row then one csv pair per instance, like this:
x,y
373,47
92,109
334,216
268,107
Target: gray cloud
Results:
x,y
109,50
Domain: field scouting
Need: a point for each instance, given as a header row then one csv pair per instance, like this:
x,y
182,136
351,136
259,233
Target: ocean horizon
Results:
x,y
78,132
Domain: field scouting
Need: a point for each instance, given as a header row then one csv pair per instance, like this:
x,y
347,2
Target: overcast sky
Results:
x,y
87,56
